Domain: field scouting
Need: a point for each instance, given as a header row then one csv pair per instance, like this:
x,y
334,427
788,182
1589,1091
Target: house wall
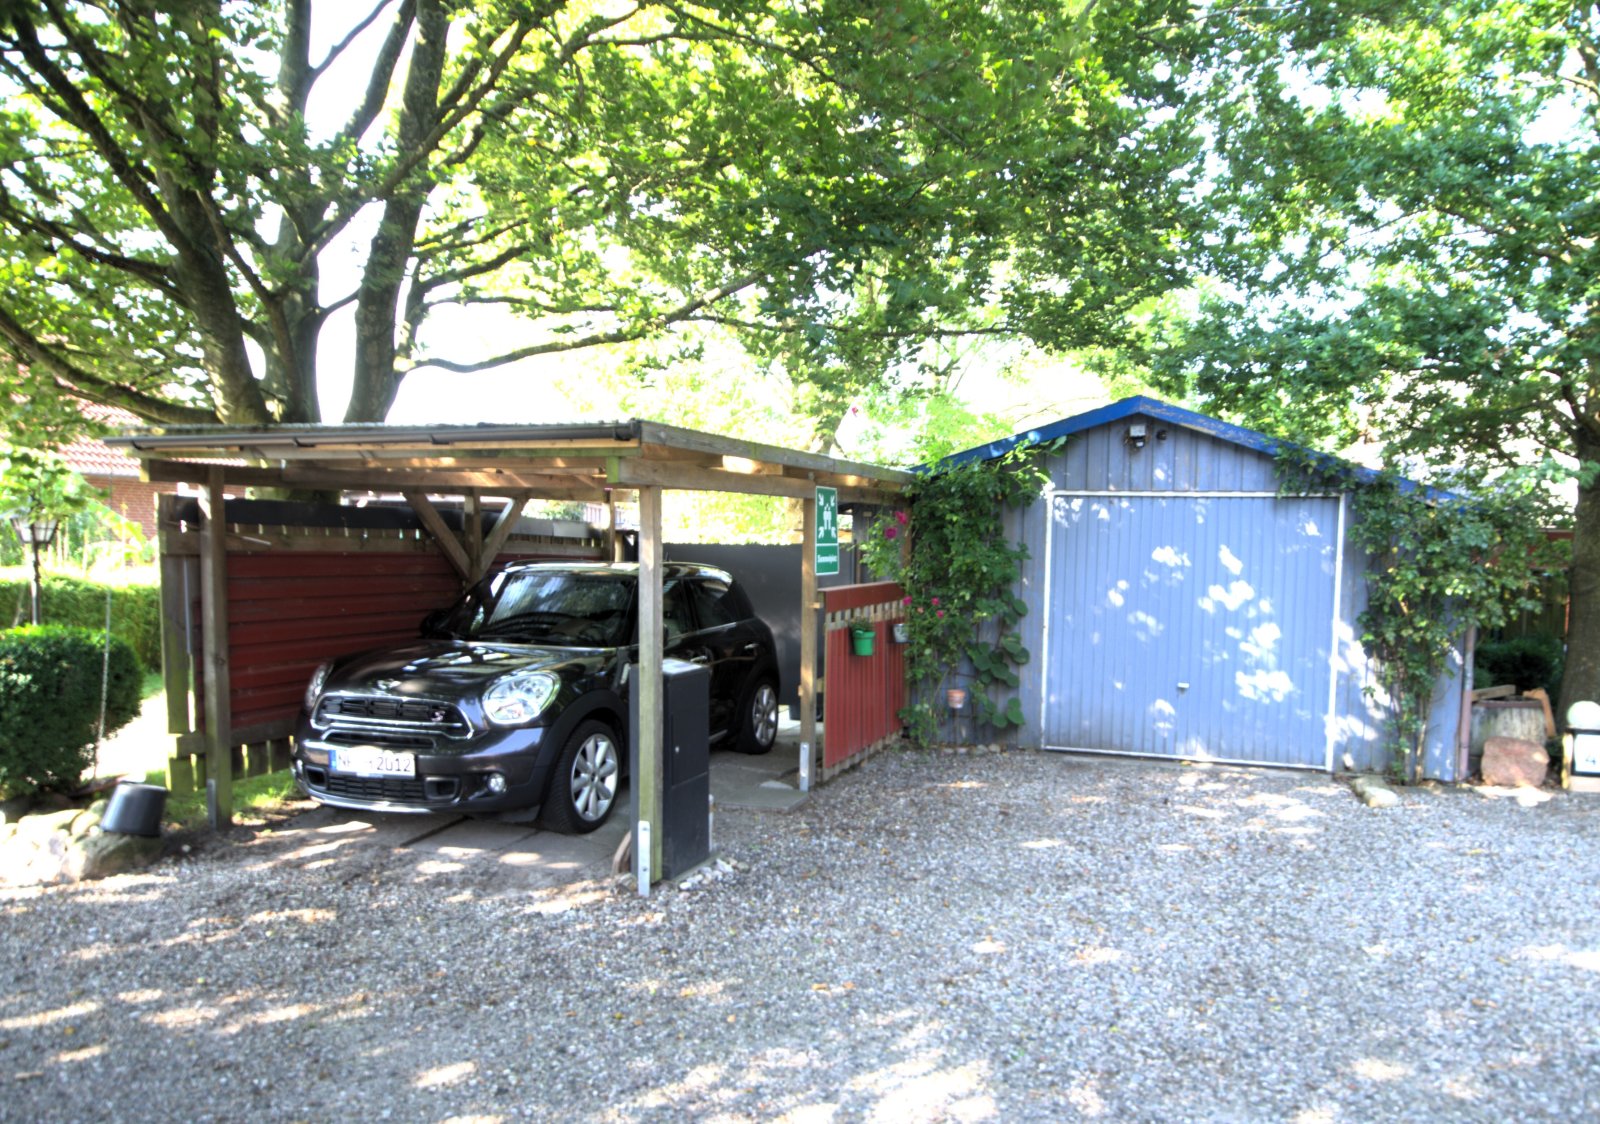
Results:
x,y
1186,461
132,499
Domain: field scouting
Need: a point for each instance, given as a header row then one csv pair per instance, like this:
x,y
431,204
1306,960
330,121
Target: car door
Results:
x,y
724,639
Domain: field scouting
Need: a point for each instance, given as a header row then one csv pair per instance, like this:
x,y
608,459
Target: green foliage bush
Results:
x,y
50,684
959,576
78,603
1524,662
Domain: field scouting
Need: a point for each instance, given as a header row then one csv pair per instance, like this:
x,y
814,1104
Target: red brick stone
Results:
x,y
1514,763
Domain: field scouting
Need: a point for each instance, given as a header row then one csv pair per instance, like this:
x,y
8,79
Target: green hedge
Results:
x,y
50,688
79,603
1520,661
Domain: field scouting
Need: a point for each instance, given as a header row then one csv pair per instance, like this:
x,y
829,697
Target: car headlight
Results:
x,y
314,688
519,698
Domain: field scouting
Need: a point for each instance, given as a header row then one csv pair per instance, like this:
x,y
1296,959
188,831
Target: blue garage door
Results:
x,y
1191,626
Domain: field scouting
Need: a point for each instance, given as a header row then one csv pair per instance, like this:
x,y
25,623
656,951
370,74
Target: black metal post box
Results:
x,y
685,827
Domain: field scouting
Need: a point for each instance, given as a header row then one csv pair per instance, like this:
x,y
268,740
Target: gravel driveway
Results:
x,y
935,937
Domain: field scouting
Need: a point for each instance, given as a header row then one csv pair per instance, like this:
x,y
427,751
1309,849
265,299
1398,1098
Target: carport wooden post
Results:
x,y
808,635
214,630
651,644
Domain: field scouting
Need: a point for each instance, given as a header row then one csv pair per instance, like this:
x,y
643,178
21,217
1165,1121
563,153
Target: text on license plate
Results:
x,y
370,761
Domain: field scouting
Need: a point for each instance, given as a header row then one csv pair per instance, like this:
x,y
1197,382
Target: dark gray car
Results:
x,y
515,700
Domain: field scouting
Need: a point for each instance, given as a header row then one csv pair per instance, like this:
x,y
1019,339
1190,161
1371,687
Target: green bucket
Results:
x,y
861,638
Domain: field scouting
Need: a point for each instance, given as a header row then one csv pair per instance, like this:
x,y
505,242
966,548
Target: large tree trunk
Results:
x,y
1582,679
378,307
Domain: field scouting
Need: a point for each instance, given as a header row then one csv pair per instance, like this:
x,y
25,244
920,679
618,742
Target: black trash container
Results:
x,y
135,809
685,830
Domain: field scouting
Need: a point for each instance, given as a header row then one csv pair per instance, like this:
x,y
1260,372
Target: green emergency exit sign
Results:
x,y
827,531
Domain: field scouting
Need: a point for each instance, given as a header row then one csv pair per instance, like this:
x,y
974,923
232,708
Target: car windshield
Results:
x,y
548,607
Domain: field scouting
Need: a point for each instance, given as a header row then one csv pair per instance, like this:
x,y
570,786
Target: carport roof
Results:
x,y
570,461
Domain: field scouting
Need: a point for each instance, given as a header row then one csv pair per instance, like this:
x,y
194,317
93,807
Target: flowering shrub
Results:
x,y
958,573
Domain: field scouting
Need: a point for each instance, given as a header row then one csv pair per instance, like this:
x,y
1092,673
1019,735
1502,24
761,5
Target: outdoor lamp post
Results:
x,y
37,534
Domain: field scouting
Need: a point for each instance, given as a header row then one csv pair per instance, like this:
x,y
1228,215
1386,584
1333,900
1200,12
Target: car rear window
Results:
x,y
717,602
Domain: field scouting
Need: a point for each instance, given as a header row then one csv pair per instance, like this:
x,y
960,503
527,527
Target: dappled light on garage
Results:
x,y
1189,627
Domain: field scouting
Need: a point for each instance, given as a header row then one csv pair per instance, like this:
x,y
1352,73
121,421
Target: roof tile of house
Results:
x,y
89,456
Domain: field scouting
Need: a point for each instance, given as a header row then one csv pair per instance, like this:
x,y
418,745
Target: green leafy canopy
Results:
x,y
833,183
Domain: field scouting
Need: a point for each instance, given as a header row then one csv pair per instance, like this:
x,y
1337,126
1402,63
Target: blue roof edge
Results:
x,y
1175,415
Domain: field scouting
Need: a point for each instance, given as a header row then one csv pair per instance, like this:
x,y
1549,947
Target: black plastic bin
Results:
x,y
135,809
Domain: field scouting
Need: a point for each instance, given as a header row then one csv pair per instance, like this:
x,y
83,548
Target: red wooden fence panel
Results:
x,y
862,694
288,611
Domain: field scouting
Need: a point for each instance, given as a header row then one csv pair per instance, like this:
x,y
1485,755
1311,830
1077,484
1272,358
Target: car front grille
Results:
x,y
387,721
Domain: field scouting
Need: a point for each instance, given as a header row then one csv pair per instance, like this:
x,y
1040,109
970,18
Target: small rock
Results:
x,y
1514,763
1373,792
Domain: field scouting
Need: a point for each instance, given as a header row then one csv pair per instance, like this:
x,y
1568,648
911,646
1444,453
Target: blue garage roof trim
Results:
x,y
1141,406
1118,411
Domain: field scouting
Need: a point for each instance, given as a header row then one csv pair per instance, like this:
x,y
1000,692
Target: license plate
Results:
x,y
370,761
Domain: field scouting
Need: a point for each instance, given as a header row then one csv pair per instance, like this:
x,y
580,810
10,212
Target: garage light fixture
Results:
x,y
1136,435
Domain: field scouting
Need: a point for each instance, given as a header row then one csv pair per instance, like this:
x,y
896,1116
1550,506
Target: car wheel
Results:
x,y
583,791
758,717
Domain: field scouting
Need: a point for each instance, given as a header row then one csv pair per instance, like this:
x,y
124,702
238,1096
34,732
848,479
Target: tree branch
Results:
x,y
382,68
76,109
343,45
639,331
32,352
465,99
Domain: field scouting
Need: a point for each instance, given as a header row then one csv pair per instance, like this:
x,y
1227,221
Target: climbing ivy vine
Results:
x,y
1438,562
951,555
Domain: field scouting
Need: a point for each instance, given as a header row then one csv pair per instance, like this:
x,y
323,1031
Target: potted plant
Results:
x,y
862,634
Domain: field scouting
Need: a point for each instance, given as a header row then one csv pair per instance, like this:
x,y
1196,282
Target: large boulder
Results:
x,y
1514,763
68,846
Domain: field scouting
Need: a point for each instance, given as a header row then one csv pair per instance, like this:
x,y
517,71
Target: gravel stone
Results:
x,y
934,937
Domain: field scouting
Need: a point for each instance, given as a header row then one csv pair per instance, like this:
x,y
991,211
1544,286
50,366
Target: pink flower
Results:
x,y
907,601
890,532
901,518
936,601
941,612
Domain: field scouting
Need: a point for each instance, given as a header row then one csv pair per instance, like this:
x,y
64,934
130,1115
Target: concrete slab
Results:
x,y
487,856
769,782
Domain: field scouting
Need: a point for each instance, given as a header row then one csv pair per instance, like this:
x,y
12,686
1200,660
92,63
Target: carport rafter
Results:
x,y
523,462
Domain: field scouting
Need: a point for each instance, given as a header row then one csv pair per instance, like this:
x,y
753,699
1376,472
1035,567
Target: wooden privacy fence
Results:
x,y
863,694
304,584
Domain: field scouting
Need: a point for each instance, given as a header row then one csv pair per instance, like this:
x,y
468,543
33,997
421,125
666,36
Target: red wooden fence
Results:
x,y
288,612
862,694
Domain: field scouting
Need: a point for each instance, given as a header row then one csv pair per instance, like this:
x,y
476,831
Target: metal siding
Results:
x,y
1360,711
1232,596
1027,526
1101,460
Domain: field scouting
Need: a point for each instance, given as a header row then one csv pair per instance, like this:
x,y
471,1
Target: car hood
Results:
x,y
449,668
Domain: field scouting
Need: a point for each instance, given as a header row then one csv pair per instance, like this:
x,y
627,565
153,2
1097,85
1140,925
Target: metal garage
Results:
x,y
1179,607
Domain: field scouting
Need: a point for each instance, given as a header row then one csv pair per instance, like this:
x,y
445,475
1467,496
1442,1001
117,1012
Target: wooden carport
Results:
x,y
588,462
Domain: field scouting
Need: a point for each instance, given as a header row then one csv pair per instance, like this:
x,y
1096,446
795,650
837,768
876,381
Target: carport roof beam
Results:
x,y
549,460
